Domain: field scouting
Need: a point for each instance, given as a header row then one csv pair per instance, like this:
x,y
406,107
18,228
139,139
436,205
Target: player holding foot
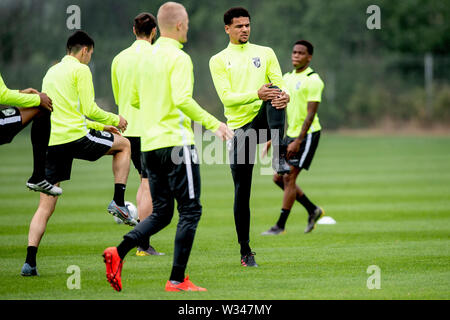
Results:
x,y
303,134
164,85
247,78
123,72
28,105
69,83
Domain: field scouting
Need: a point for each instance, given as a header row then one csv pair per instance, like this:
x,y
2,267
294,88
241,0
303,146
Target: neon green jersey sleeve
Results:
x,y
182,79
315,87
222,84
115,81
15,98
274,73
88,107
95,125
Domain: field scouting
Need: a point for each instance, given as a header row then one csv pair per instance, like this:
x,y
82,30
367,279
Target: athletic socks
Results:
x,y
283,218
119,194
309,206
40,135
31,256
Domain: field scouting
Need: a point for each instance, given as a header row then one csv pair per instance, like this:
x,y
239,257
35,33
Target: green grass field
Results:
x,y
390,197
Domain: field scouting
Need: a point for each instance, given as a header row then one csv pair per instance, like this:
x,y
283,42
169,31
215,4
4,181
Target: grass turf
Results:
x,y
390,197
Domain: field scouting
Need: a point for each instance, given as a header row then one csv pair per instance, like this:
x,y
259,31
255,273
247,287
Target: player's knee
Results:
x,y
288,180
277,179
122,144
163,216
190,217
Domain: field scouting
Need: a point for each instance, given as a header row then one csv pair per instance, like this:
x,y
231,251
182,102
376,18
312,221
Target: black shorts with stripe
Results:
x,y
91,147
174,173
10,124
307,150
136,155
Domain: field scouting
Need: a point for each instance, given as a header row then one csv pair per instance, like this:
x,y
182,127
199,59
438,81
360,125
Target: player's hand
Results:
x,y
265,93
112,129
293,148
122,124
46,102
29,91
224,132
281,101
266,149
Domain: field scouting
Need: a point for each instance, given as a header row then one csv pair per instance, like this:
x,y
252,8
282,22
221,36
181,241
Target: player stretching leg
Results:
x,y
243,75
170,157
69,83
28,105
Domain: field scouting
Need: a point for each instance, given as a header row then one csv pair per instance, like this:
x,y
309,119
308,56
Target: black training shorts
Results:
x,y
91,147
10,124
308,147
136,155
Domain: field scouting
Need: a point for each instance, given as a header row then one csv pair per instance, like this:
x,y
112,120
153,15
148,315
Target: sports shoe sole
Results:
x,y
107,258
36,188
121,217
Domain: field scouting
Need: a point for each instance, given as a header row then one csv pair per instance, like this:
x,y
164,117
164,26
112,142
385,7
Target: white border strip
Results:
x,y
307,146
187,157
98,140
10,120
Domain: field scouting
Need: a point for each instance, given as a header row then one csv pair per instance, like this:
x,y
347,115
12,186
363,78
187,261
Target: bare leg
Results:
x,y
39,221
121,152
28,114
278,180
290,188
144,199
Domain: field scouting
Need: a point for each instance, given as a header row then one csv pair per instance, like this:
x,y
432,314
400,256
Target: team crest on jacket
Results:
x,y
105,134
9,112
297,86
256,62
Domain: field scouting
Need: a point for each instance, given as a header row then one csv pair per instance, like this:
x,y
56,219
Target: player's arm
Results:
x,y
114,81
134,99
94,125
182,84
315,88
275,76
86,94
223,86
101,127
27,98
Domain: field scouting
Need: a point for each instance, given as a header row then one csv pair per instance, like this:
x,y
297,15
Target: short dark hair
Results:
x,y
79,40
235,12
144,23
307,44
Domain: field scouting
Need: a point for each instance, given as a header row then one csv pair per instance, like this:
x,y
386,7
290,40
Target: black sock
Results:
x,y
40,135
283,218
31,256
177,274
125,246
309,206
119,194
245,248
